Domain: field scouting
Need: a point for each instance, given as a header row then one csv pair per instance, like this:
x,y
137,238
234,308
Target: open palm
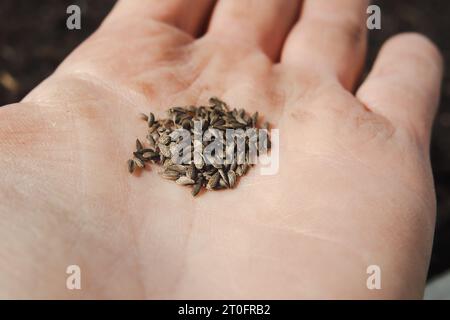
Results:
x,y
354,186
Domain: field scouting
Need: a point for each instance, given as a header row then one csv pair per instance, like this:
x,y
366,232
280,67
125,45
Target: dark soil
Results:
x,y
34,40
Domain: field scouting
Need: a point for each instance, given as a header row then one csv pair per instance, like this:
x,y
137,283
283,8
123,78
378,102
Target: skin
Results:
x,y
354,186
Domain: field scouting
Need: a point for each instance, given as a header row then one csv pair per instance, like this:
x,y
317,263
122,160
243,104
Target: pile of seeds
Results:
x,y
210,173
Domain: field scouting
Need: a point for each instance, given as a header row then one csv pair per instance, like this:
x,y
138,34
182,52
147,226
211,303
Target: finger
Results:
x,y
331,34
188,16
263,24
404,83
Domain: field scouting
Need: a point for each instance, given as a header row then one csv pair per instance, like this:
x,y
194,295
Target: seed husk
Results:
x,y
223,176
155,136
164,139
167,163
183,180
165,150
170,175
254,119
178,168
139,163
240,120
217,102
233,165
223,184
231,178
212,182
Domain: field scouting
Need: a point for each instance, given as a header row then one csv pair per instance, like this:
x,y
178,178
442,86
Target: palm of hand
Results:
x,y
353,189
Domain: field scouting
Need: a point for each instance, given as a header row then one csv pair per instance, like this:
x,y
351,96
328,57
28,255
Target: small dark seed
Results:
x,y
138,145
131,165
196,189
143,116
167,163
139,156
151,141
239,171
191,171
151,119
150,155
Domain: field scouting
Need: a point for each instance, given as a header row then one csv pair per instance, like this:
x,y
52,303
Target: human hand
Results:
x,y
354,186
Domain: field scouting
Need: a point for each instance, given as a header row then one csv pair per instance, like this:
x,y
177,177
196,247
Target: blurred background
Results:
x,y
34,40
